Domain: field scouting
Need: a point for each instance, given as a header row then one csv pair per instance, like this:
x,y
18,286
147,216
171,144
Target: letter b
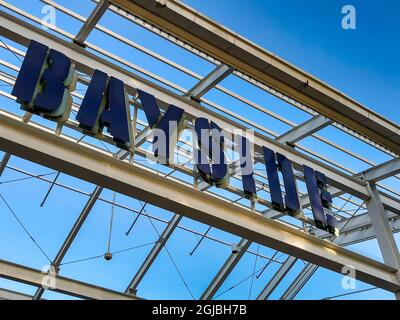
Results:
x,y
44,82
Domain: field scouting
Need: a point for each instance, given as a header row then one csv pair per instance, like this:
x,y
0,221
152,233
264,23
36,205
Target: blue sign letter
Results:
x,y
170,124
210,147
292,204
106,105
44,83
246,166
320,198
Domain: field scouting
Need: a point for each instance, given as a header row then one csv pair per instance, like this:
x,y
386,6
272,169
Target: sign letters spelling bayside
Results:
x,y
47,77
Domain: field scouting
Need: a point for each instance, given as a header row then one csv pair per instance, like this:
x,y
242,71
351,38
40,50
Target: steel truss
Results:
x,y
226,50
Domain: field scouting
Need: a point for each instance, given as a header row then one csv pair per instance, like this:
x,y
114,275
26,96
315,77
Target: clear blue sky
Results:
x,y
363,63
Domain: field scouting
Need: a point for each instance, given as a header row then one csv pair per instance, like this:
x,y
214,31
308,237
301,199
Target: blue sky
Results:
x,y
363,63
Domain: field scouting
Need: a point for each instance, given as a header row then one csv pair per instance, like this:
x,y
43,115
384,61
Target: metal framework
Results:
x,y
375,206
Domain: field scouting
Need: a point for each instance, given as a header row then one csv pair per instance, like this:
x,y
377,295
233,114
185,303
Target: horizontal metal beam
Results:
x,y
12,271
365,232
142,136
232,49
382,171
22,32
209,82
6,294
358,222
40,145
304,130
91,21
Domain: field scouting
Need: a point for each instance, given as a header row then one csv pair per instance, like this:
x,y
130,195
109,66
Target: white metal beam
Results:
x,y
366,232
34,143
35,277
305,129
209,82
6,294
355,230
91,22
382,171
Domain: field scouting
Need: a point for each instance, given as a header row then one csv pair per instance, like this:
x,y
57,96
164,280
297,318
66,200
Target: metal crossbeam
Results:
x,y
305,129
6,294
153,254
226,269
209,82
277,278
142,136
298,283
382,171
91,22
366,232
6,157
34,277
72,234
